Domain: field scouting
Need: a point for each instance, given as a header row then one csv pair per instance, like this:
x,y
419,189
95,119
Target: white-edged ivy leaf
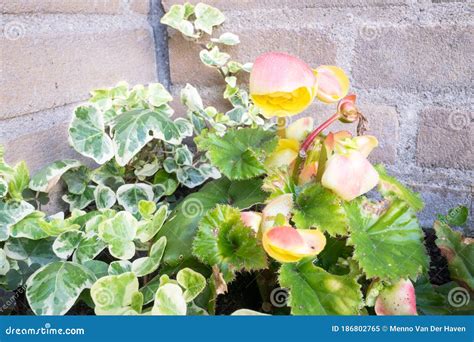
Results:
x,y
119,232
149,264
110,174
134,129
4,264
54,288
148,228
79,202
104,197
158,95
192,282
146,209
129,195
87,135
459,253
183,156
191,98
19,181
169,301
113,294
185,127
214,57
56,226
207,17
222,239
319,207
98,267
166,181
3,187
239,154
176,18
30,251
390,187
388,246
45,179
119,266
227,38
66,243
12,213
29,227
314,291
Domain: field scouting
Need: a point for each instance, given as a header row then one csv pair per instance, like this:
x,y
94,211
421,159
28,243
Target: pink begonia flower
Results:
x,y
332,83
398,299
251,219
281,205
287,244
281,84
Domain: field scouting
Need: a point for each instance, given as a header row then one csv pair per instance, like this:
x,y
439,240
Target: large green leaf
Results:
x,y
134,129
391,187
458,252
119,232
54,288
87,135
12,213
30,251
239,154
319,207
313,291
222,239
182,223
115,294
48,176
146,265
387,246
129,195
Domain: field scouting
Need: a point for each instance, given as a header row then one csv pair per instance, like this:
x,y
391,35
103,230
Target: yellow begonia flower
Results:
x,y
332,83
286,244
281,205
281,84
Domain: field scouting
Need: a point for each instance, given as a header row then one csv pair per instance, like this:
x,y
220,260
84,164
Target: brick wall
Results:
x,y
409,61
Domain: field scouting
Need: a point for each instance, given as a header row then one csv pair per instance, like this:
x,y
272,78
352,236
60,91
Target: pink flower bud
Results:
x,y
398,299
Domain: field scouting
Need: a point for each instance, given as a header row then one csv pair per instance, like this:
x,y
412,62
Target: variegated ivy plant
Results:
x,y
168,211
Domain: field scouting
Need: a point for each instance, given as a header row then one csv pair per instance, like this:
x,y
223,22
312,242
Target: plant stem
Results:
x,y
310,138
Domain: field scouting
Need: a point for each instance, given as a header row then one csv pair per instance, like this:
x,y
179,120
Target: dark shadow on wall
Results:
x,y
160,35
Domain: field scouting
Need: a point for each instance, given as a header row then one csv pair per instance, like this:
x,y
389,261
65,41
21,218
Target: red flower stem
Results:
x,y
310,138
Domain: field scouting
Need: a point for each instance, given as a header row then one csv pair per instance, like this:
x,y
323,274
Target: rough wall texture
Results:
x,y
410,62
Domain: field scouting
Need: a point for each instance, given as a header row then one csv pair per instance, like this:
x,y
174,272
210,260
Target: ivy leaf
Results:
x,y
30,251
149,228
99,268
192,281
213,57
391,187
319,207
110,174
313,291
176,18
129,195
79,202
169,300
3,188
115,294
388,246
181,226
146,209
57,226
48,176
207,17
166,182
4,264
87,135
19,181
227,39
239,154
104,197
29,227
66,243
89,247
222,239
158,95
458,252
12,213
191,98
119,232
149,264
119,267
54,288
77,179
134,129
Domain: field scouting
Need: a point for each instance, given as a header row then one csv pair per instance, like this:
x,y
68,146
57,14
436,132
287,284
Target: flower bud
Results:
x,y
332,83
399,299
